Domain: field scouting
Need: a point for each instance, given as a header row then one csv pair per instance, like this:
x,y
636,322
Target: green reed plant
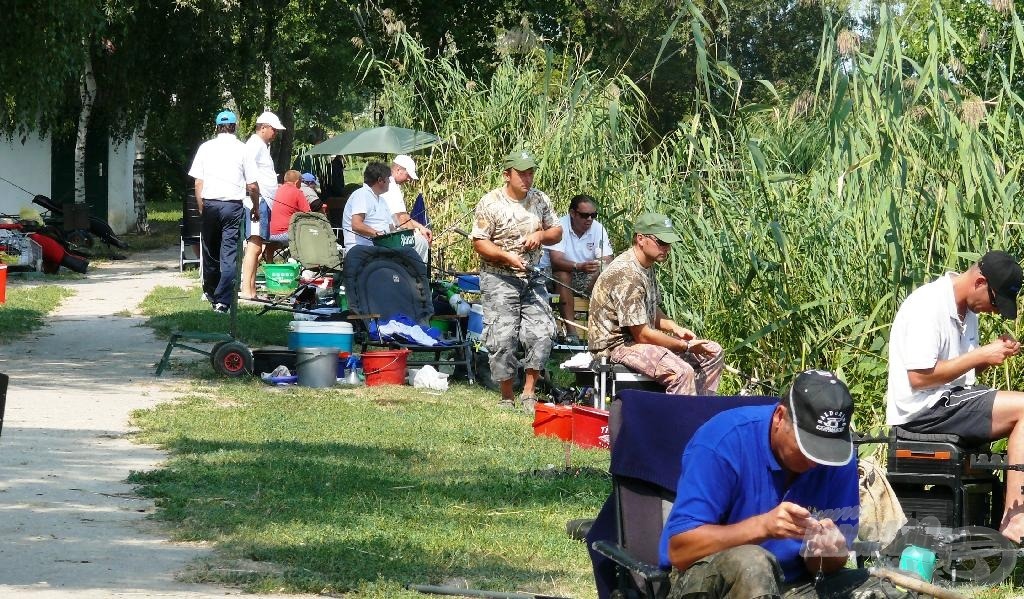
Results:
x,y
805,220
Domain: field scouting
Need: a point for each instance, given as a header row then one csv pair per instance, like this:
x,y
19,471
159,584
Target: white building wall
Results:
x,y
120,201
27,162
24,162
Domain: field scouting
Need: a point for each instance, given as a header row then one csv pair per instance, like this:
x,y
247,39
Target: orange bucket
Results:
x,y
552,420
3,283
386,367
590,427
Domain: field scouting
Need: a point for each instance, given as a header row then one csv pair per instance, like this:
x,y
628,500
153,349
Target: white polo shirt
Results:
x,y
394,197
375,213
926,329
259,151
592,245
222,164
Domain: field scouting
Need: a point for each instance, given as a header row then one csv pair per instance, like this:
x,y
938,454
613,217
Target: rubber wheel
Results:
x,y
232,358
980,556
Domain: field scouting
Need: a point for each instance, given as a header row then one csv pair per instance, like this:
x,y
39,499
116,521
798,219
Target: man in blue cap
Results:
x,y
627,325
224,177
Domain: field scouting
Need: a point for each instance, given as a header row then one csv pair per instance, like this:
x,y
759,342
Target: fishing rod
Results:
x,y
537,270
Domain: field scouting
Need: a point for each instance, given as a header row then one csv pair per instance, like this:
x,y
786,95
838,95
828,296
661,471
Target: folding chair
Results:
x,y
648,434
191,227
381,283
611,378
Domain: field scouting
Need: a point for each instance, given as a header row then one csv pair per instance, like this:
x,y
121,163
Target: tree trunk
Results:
x,y
87,91
139,179
285,139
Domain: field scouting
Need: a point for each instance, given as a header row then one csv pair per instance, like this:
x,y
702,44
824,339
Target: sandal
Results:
x,y
529,403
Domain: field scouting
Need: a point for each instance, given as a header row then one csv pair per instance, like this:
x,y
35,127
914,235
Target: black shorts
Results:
x,y
963,411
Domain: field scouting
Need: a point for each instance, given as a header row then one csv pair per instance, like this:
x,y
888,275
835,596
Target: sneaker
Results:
x,y
207,298
221,308
529,404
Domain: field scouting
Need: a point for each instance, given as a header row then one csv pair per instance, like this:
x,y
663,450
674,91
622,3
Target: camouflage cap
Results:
x,y
658,225
521,160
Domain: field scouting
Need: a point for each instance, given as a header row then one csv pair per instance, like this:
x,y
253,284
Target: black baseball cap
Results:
x,y
1004,278
821,408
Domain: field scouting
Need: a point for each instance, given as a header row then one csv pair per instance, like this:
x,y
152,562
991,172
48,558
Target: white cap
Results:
x,y
269,118
405,161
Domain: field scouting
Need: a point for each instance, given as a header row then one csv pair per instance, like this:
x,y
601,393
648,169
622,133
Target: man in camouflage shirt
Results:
x,y
511,225
627,325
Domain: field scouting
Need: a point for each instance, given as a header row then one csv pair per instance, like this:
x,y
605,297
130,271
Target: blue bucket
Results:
x,y
475,324
468,282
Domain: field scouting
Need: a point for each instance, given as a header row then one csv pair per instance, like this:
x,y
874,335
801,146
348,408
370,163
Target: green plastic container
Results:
x,y
403,238
440,324
282,277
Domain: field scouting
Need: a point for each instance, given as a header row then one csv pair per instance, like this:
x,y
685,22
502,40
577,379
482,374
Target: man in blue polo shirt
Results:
x,y
768,499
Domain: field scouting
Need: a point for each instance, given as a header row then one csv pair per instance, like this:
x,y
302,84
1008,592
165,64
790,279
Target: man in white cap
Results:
x,y
261,202
403,170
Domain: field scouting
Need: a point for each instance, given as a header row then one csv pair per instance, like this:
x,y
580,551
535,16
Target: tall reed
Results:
x,y
805,221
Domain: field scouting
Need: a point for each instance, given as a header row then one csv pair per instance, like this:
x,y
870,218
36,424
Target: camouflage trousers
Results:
x,y
751,572
681,374
515,311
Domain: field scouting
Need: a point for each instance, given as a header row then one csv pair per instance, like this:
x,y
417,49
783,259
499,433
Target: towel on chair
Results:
x,y
402,329
881,515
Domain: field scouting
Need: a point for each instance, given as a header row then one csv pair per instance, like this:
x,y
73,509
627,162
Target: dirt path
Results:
x,y
69,525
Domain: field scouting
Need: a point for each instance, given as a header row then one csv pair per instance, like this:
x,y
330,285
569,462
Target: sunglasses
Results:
x,y
586,215
665,244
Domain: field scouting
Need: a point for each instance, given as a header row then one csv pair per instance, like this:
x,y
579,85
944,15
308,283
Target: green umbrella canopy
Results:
x,y
376,140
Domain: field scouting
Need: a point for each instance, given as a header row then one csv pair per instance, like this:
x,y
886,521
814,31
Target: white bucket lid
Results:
x,y
320,326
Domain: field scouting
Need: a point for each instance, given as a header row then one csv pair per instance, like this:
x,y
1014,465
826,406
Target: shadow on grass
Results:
x,y
339,515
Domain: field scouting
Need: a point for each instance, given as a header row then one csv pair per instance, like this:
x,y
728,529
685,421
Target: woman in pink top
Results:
x,y
287,201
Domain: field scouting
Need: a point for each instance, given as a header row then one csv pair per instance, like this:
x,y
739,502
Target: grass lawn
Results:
x,y
26,309
361,491
163,227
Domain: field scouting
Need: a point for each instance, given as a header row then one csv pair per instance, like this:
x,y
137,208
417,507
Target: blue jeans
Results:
x,y
221,224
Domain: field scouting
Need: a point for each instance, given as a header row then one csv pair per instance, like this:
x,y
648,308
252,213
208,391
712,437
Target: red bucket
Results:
x,y
3,285
590,427
552,420
386,367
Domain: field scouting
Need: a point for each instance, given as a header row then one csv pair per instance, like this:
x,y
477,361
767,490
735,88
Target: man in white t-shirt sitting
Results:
x,y
935,353
580,256
403,170
366,213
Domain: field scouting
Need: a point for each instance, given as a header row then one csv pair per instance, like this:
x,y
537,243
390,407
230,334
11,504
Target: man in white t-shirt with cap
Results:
x,y
935,354
403,170
259,203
